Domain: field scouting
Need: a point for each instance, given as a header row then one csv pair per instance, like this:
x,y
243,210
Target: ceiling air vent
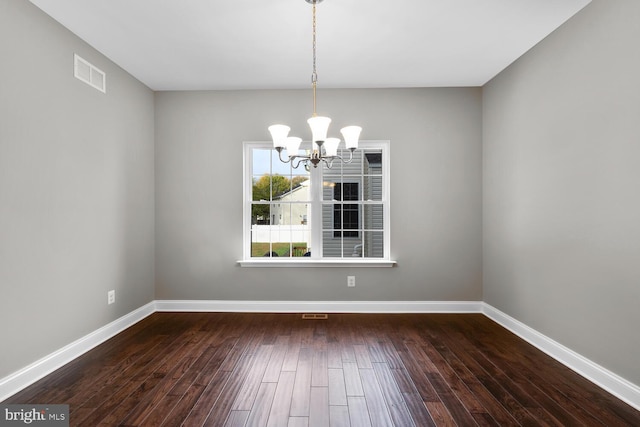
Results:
x,y
89,74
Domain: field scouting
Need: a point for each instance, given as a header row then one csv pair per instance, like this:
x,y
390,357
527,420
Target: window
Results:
x,y
305,216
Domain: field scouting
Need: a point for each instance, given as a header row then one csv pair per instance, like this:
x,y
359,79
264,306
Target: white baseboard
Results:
x,y
322,306
26,376
614,384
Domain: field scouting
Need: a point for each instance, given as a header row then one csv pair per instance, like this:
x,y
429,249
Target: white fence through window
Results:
x,y
280,233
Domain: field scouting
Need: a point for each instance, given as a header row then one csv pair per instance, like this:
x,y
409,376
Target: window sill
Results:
x,y
316,263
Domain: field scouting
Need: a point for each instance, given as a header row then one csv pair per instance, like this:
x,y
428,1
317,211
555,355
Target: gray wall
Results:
x,y
561,186
436,199
76,190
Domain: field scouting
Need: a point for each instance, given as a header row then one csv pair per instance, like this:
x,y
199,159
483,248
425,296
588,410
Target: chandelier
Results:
x,y
323,149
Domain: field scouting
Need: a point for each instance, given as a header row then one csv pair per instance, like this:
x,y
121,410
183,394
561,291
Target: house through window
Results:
x,y
317,213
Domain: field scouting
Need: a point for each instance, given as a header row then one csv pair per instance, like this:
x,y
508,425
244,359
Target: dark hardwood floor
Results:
x,y
229,369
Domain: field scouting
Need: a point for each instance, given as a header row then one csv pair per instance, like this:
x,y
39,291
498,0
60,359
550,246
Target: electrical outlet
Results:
x,y
351,281
111,297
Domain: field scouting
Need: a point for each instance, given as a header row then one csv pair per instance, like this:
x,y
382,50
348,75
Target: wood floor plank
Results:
x,y
396,405
262,405
290,362
358,412
274,367
337,388
212,369
403,380
391,356
348,353
419,412
249,390
302,385
281,406
339,416
319,373
376,404
352,380
376,353
420,380
440,415
237,419
334,356
319,407
362,356
298,422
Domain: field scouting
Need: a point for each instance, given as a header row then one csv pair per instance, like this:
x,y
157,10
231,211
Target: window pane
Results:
x,y
340,168
373,245
331,246
260,214
261,161
373,217
279,187
372,162
327,216
284,232
341,188
372,188
336,244
271,178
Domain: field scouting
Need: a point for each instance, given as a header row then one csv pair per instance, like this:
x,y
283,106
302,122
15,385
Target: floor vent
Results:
x,y
315,316
90,74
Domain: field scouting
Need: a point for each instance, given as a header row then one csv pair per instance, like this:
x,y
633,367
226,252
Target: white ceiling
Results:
x,y
263,44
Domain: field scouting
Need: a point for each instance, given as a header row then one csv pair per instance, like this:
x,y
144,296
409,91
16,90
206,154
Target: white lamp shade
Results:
x,y
293,145
351,135
319,126
279,135
331,146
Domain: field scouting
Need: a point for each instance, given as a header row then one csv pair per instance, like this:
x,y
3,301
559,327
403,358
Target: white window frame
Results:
x,y
316,259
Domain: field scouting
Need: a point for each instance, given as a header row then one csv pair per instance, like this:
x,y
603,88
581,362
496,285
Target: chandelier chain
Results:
x,y
314,75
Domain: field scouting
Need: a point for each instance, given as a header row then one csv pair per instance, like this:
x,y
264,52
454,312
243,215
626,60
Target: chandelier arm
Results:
x,y
301,159
351,150
329,161
279,150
